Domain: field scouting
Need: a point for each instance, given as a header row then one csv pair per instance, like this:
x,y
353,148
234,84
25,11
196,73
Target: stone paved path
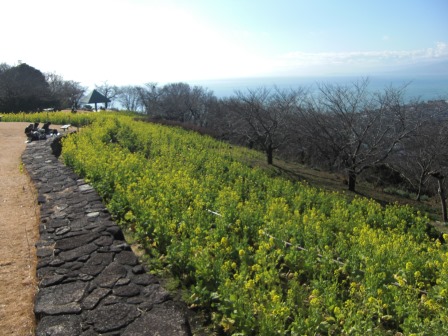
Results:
x,y
90,281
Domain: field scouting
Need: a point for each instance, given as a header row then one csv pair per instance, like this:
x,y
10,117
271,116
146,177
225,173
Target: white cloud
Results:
x,y
440,50
363,59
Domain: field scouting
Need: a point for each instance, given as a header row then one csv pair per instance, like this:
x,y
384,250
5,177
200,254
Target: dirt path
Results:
x,y
18,233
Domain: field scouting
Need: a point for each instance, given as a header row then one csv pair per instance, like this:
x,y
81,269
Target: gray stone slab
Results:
x,y
62,230
44,251
128,290
52,280
138,269
155,294
94,298
145,279
104,240
161,320
58,223
85,187
112,317
78,252
97,259
126,258
110,275
60,299
76,241
65,325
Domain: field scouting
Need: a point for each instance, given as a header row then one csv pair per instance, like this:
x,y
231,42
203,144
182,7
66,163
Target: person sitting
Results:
x,y
46,127
31,132
28,130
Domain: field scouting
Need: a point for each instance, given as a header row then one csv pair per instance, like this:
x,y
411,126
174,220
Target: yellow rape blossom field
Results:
x,y
260,254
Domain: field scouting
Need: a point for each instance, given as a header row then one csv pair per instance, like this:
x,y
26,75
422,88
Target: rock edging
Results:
x,y
90,281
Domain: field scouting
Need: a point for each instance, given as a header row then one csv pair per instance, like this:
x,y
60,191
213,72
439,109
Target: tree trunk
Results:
x,y
270,154
420,186
351,180
419,194
442,199
441,192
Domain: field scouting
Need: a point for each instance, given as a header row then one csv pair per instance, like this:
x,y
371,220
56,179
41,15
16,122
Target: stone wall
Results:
x,y
90,281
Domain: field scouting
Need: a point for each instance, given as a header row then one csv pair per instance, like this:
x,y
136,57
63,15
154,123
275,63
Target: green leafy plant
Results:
x,y
264,255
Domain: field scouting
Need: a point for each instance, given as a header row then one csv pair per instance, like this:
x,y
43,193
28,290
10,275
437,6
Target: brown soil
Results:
x,y
19,215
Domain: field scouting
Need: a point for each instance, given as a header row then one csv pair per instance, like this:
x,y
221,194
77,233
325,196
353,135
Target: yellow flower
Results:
x,y
275,298
250,284
314,301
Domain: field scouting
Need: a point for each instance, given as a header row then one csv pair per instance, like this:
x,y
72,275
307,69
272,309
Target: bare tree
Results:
x,y
414,162
67,93
175,101
4,67
181,102
199,103
73,92
417,155
219,121
353,128
178,102
315,136
262,116
109,91
439,147
425,153
149,96
129,98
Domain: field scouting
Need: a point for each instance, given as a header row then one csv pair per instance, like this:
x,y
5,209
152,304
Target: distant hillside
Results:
x,y
439,69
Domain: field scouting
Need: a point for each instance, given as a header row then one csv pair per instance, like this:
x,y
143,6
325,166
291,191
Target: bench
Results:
x,y
65,127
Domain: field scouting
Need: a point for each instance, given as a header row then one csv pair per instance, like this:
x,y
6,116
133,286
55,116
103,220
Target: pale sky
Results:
x,y
131,42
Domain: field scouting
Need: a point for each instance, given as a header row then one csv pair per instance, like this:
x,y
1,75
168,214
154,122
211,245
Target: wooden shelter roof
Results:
x,y
96,97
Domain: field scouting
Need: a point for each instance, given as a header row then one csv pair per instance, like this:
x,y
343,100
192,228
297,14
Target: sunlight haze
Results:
x,y
131,42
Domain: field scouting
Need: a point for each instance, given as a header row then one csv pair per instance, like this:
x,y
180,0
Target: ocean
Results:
x,y
423,87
